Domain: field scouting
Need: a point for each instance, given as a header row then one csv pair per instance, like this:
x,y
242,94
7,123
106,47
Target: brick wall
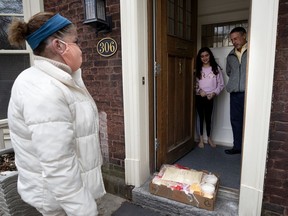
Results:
x,y
275,201
102,76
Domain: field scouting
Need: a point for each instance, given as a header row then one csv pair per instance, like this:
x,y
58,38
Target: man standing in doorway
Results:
x,y
236,71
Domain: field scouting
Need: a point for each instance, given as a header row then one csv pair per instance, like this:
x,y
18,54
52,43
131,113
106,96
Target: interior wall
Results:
x,y
220,7
210,12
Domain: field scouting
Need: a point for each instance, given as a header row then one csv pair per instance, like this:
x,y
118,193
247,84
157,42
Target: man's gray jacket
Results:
x,y
236,72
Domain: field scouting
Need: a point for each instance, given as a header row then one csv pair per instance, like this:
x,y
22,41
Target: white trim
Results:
x,y
13,51
31,7
262,48
134,34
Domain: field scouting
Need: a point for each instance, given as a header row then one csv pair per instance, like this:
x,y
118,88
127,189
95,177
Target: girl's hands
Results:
x,y
210,96
202,93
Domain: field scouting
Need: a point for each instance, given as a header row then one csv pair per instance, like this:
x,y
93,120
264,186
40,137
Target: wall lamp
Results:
x,y
95,14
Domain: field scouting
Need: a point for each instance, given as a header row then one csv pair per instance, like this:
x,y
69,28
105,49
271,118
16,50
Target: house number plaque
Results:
x,y
107,47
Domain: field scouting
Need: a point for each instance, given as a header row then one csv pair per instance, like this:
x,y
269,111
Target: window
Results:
x,y
8,10
217,35
12,60
179,18
11,65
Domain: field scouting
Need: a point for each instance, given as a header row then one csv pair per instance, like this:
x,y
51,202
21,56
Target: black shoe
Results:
x,y
232,151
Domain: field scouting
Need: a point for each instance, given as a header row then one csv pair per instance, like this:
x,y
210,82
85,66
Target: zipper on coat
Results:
x,y
239,76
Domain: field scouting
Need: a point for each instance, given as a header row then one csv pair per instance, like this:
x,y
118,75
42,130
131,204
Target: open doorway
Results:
x,y
215,20
228,167
209,13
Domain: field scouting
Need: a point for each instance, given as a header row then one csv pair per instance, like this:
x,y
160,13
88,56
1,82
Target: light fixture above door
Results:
x,y
95,15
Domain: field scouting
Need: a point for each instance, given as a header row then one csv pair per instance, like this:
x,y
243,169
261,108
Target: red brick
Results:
x,y
277,154
278,106
281,126
281,164
274,181
279,136
276,145
281,75
277,174
281,200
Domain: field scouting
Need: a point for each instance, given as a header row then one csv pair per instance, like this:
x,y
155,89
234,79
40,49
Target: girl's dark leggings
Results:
x,y
204,109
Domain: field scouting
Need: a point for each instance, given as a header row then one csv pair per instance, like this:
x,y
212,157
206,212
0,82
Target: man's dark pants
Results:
x,y
236,117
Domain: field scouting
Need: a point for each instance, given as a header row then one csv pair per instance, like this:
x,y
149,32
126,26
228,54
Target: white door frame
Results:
x,y
262,43
261,58
134,42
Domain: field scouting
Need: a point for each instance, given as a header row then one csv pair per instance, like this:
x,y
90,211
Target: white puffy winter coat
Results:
x,y
54,129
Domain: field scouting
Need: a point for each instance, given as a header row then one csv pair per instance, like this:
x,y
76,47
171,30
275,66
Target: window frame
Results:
x,y
230,25
178,23
30,7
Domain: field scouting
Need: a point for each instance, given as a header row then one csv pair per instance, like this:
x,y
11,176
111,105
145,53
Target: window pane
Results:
x,y
171,17
11,6
90,9
101,10
180,19
226,29
180,30
188,33
188,21
4,43
9,72
188,6
220,41
171,25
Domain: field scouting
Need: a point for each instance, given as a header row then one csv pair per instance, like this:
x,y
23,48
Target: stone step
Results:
x,y
226,203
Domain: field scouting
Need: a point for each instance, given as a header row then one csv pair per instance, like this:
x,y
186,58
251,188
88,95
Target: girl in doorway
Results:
x,y
209,83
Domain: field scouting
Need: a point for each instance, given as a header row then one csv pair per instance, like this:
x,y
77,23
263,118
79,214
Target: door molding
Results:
x,y
263,29
134,41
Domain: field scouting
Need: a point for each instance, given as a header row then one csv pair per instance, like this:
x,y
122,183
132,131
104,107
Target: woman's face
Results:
x,y
205,57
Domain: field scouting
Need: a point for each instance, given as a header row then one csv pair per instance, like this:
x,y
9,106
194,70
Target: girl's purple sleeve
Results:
x,y
197,88
220,83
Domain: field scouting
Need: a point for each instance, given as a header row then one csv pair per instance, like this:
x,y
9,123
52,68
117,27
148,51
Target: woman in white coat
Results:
x,y
53,121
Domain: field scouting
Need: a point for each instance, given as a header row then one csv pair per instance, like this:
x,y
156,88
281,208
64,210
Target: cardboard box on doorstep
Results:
x,y
195,199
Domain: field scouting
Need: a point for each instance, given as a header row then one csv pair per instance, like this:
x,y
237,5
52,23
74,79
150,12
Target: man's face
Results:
x,y
238,40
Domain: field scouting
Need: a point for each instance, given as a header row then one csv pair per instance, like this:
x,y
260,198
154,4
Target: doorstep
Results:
x,y
226,203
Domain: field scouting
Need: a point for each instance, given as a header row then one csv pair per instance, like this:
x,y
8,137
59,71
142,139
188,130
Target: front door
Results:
x,y
176,26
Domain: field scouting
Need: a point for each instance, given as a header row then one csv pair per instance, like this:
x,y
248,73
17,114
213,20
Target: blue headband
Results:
x,y
51,26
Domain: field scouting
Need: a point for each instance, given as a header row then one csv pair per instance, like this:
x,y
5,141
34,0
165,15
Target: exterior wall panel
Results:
x,y
275,200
